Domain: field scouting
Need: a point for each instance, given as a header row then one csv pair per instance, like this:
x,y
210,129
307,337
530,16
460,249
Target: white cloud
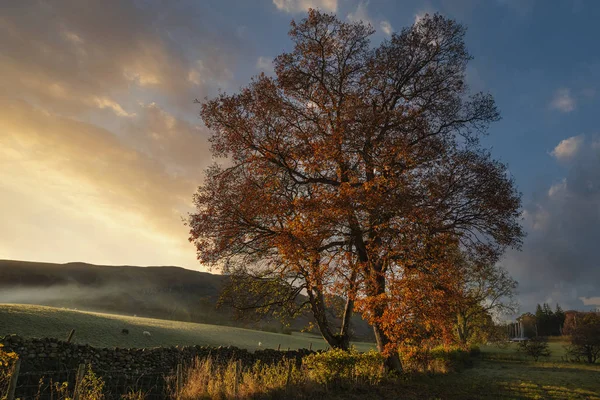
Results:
x,y
567,148
420,15
361,14
563,101
557,188
386,27
591,301
563,225
295,6
264,64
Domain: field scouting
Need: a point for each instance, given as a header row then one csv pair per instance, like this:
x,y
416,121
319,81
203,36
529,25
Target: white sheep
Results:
x,y
146,333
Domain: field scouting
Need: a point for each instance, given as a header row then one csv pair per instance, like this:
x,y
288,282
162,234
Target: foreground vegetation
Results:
x,y
104,330
340,375
484,380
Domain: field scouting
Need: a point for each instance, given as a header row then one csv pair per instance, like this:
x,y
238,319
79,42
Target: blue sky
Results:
x,y
101,146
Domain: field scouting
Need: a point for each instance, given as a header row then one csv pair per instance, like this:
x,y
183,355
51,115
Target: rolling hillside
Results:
x,y
168,293
159,292
104,330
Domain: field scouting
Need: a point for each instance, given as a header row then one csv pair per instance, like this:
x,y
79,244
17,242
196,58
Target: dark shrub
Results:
x,y
535,347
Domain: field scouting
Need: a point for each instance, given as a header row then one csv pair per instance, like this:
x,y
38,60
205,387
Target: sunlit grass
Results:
x,y
104,330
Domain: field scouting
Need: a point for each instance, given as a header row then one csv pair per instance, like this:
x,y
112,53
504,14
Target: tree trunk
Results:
x,y
374,272
317,303
349,308
462,329
392,360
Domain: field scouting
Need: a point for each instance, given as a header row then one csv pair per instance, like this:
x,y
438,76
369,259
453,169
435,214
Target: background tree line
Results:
x,y
549,323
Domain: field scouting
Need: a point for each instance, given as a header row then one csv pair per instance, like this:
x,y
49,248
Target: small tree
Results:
x,y
487,290
535,347
585,339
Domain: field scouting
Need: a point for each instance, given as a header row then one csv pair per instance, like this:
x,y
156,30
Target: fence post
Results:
x,y
310,347
179,383
79,379
12,385
279,347
70,335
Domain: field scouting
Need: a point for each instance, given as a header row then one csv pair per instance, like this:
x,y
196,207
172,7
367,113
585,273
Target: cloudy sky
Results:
x,y
101,146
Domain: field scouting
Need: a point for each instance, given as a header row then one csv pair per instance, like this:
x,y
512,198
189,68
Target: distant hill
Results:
x,y
171,293
157,292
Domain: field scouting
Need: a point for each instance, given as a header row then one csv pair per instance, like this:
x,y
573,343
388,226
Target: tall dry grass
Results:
x,y
208,379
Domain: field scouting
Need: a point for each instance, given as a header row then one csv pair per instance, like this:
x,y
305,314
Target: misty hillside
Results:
x,y
158,292
171,293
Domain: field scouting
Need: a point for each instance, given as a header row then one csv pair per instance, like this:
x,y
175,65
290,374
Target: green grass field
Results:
x,y
490,380
509,352
501,373
104,330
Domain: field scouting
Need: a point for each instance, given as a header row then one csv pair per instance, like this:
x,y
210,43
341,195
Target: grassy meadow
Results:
x,y
104,330
500,373
508,352
501,380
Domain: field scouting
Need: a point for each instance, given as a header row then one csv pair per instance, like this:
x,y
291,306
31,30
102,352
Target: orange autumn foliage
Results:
x,y
357,172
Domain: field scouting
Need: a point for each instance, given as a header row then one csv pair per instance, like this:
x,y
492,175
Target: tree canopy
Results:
x,y
357,171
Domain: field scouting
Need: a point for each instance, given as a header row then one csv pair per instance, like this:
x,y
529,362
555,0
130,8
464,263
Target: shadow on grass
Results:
x,y
514,380
486,380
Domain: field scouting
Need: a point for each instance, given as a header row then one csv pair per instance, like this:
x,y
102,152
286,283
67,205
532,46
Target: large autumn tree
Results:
x,y
357,171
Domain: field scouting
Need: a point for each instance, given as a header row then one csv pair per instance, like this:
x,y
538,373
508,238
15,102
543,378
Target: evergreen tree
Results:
x,y
559,316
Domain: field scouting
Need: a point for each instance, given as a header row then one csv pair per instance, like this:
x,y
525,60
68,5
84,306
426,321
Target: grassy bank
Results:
x,y
104,330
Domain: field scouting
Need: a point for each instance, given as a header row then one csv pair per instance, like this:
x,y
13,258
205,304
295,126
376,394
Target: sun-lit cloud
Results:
x,y
295,6
94,182
95,164
567,148
563,101
182,147
104,102
62,58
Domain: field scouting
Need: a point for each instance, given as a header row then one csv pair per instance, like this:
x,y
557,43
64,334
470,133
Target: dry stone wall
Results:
x,y
49,354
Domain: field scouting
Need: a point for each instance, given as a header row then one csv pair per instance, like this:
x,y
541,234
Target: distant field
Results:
x,y
509,352
104,330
